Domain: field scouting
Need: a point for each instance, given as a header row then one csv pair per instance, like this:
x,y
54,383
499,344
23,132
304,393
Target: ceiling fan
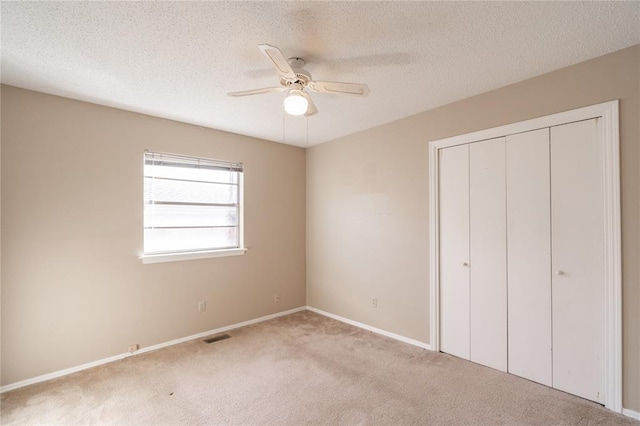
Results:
x,y
295,79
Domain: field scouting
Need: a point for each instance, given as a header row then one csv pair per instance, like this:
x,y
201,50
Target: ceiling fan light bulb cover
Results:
x,y
295,103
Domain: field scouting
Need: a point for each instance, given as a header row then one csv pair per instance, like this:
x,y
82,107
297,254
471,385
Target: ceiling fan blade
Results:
x,y
278,60
257,91
356,89
311,107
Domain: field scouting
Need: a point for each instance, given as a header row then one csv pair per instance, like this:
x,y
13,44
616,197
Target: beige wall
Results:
x,y
73,289
367,200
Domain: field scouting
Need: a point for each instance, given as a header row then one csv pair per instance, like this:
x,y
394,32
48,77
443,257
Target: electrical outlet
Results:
x,y
374,302
134,347
202,306
276,298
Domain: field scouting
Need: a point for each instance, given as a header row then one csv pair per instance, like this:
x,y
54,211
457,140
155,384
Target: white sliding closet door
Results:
x,y
529,254
488,253
577,227
454,250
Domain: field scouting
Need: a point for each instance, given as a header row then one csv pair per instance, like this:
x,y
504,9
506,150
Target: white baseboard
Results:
x,y
60,373
631,413
372,329
118,357
625,411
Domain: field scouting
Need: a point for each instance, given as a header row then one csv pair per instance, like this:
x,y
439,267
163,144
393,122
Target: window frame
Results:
x,y
180,255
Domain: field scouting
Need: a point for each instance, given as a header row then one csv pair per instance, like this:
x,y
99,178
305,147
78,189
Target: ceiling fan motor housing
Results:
x,y
302,76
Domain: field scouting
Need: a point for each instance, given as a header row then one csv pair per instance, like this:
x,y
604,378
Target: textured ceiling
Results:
x,y
179,59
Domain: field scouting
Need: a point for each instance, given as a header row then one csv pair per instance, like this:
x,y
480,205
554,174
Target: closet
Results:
x,y
521,254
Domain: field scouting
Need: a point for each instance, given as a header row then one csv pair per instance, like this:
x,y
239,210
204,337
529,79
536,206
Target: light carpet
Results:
x,y
299,369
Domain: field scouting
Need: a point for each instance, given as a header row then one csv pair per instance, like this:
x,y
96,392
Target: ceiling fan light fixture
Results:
x,y
295,103
299,83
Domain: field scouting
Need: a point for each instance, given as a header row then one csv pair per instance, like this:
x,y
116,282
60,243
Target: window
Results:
x,y
192,207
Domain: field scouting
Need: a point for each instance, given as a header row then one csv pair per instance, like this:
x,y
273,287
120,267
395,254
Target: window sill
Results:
x,y
192,255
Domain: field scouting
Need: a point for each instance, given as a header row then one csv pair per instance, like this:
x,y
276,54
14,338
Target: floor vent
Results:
x,y
216,338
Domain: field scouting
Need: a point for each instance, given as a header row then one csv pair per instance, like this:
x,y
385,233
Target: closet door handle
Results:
x,y
560,273
465,264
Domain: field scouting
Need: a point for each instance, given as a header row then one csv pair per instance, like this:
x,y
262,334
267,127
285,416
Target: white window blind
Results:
x,y
191,204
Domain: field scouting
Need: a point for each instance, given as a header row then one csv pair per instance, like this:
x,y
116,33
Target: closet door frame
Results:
x,y
608,114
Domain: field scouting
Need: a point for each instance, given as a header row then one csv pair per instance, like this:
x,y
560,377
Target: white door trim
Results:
x,y
608,113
